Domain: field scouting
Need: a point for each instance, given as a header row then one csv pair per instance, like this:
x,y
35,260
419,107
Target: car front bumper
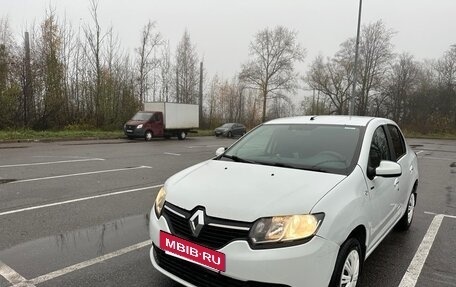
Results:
x,y
309,264
220,133
136,133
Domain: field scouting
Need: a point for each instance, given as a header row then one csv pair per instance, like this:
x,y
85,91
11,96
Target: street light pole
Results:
x,y
355,69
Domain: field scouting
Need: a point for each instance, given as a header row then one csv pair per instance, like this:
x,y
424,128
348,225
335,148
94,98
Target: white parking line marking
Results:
x,y
202,146
79,199
79,174
12,276
413,271
420,151
437,158
170,153
88,263
445,215
51,162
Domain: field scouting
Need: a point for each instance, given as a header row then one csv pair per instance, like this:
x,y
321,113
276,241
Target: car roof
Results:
x,y
328,120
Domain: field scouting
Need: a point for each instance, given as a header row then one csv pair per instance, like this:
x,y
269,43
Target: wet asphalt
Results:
x,y
38,242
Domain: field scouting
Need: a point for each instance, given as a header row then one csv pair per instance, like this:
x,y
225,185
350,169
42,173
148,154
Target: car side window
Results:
x,y
379,149
398,141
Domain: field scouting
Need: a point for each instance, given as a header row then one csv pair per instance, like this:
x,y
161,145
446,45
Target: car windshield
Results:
x,y
227,126
322,148
142,116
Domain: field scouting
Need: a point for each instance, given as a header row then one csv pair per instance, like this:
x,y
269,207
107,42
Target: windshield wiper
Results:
x,y
286,165
238,159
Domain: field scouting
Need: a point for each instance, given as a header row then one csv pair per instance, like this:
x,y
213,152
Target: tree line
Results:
x,y
59,76
419,95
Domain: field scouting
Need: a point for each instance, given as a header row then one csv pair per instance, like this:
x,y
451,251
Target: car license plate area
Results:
x,y
192,252
129,131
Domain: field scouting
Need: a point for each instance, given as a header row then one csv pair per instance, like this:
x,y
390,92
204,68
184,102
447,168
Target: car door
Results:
x,y
156,123
235,129
382,190
405,161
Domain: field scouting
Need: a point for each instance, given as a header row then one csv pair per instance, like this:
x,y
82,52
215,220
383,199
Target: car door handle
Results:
x,y
396,182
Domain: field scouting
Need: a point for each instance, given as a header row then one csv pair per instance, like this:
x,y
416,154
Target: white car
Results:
x,y
296,202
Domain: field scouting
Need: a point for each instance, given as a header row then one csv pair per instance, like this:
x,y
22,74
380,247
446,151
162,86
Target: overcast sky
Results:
x,y
222,29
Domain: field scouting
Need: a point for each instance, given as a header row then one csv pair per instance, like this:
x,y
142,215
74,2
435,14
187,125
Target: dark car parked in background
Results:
x,y
230,129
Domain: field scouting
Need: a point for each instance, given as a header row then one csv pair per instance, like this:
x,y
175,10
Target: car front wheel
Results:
x,y
148,136
348,265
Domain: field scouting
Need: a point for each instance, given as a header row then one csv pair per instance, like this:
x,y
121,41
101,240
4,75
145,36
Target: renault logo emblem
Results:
x,y
197,222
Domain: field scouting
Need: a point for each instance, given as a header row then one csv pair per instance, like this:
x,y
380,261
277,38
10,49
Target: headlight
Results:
x,y
139,126
160,202
284,229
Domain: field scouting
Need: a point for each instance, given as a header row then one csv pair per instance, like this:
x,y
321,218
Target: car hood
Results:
x,y
246,192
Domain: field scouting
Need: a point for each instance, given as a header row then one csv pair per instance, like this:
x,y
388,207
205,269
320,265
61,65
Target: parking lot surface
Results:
x,y
76,213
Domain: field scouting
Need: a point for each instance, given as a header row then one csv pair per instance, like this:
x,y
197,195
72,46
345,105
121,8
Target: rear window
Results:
x,y
398,141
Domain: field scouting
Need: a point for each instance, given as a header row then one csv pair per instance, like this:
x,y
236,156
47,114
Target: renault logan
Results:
x,y
296,202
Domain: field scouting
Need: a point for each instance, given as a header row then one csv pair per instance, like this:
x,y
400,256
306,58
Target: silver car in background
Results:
x,y
296,202
230,130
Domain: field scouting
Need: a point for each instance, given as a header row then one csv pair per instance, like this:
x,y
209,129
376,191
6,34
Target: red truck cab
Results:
x,y
145,125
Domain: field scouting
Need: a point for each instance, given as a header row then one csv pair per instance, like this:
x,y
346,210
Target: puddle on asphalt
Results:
x,y
44,255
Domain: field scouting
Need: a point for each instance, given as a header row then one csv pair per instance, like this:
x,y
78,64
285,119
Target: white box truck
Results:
x,y
163,120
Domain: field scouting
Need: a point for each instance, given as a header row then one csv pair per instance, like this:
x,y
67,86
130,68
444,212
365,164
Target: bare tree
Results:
x,y
446,73
9,87
52,74
6,41
271,68
376,52
93,50
166,73
332,79
400,85
187,72
147,62
212,101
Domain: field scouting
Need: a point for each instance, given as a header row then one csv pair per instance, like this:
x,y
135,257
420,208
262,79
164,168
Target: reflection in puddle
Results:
x,y
51,253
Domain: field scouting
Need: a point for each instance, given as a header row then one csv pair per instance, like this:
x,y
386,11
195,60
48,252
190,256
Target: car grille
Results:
x,y
212,235
200,276
130,127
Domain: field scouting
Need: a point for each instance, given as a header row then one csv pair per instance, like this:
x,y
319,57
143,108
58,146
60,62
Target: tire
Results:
x,y
349,265
148,135
130,137
229,135
182,135
406,220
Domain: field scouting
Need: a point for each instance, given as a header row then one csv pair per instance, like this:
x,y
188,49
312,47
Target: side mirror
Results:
x,y
220,151
385,169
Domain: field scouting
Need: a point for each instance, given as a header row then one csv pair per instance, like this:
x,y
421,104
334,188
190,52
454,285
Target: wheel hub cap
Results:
x,y
350,270
410,208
